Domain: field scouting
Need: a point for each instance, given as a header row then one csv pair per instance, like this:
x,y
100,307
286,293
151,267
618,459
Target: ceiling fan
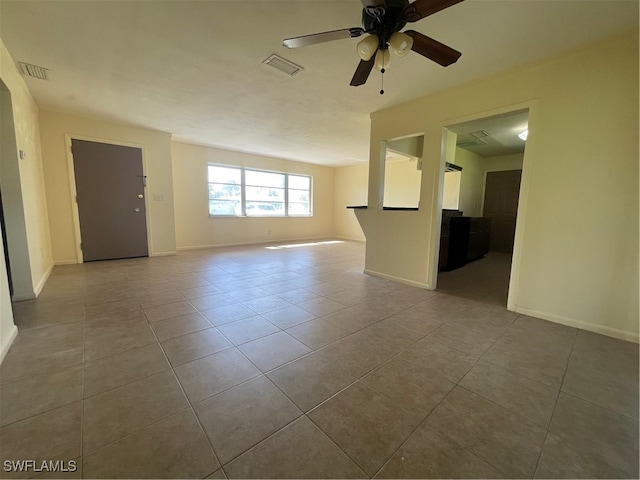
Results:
x,y
383,20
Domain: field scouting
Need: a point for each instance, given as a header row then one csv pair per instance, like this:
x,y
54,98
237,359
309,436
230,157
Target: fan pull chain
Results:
x,y
382,75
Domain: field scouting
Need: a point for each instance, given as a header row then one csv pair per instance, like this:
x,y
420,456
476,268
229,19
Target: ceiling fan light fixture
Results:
x,y
383,59
367,47
400,43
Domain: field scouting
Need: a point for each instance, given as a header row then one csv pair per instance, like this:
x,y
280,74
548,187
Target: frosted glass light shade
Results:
x,y
367,47
383,59
523,135
400,43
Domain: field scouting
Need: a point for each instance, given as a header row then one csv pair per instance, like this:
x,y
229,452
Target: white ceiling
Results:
x,y
194,68
493,136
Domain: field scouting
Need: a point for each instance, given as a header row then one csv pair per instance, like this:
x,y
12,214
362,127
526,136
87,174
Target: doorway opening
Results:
x,y
480,198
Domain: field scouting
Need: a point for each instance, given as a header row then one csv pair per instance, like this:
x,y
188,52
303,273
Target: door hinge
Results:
x,y
80,245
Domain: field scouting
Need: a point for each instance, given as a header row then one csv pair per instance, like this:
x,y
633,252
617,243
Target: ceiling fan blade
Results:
x,y
322,37
423,8
432,49
362,72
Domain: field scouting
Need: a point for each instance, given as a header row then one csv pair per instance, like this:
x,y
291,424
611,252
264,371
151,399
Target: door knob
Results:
x,y
136,210
140,195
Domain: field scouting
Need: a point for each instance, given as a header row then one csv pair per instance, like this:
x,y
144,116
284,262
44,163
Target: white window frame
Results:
x,y
243,194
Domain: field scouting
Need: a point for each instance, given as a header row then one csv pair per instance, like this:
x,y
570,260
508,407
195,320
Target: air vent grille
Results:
x,y
479,134
283,65
33,71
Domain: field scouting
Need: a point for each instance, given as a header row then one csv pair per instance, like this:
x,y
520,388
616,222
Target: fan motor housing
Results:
x,y
384,26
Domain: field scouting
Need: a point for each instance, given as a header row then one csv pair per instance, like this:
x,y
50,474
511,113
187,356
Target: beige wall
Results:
x,y
401,183
474,170
576,255
27,139
471,182
451,191
156,148
350,189
194,228
503,162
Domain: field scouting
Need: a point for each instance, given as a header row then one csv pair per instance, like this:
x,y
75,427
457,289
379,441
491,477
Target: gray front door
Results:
x,y
111,205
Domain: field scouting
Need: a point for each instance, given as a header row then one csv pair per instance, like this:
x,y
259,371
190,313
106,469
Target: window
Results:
x,y
236,191
299,195
225,191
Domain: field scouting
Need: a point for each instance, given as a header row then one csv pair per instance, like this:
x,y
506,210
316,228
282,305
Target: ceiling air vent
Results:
x,y
33,71
283,65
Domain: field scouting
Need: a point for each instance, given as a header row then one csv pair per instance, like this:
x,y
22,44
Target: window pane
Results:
x,y
264,179
255,209
302,183
224,207
298,196
296,208
224,174
265,194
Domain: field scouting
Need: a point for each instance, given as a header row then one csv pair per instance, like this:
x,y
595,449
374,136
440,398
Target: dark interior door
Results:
x,y
501,206
111,206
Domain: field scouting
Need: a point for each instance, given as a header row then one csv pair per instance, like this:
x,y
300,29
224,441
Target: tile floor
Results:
x,y
260,363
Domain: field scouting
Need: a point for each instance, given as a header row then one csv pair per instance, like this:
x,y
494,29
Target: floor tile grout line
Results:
x,y
457,384
82,406
555,406
338,446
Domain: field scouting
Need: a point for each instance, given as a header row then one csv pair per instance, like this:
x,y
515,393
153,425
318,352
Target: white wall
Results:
x,y
576,256
194,228
156,147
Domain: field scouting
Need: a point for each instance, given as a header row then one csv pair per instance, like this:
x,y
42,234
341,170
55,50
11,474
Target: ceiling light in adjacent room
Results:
x,y
523,135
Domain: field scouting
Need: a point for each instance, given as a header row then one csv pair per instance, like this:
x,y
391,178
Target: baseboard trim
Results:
x,y
7,342
163,254
38,289
572,322
65,262
393,278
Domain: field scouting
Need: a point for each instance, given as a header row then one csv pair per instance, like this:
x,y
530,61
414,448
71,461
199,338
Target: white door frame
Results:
x,y
525,183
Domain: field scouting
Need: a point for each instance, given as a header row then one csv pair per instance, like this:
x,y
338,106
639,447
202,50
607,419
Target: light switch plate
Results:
x,y
158,197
